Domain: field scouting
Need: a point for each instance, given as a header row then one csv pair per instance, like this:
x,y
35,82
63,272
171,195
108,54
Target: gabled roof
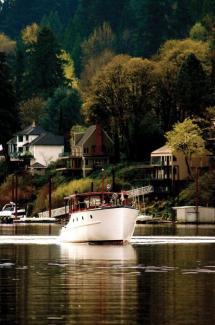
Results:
x,y
91,129
31,130
164,150
12,141
37,165
48,139
86,135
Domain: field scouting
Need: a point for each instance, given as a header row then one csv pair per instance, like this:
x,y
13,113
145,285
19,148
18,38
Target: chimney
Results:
x,y
98,139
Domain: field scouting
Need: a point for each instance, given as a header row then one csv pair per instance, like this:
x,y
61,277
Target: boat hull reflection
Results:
x,y
86,251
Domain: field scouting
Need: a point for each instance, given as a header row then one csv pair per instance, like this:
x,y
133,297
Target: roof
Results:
x,y
37,165
91,129
86,135
31,130
165,150
48,139
12,141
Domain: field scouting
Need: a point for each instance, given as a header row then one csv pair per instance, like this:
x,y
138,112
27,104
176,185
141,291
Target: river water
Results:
x,y
153,280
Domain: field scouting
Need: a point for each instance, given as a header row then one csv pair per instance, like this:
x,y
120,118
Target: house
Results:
x,y
35,143
167,165
90,149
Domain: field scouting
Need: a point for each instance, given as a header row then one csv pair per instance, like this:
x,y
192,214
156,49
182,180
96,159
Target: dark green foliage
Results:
x,y
8,111
20,65
140,26
53,22
15,15
45,69
152,27
62,112
191,88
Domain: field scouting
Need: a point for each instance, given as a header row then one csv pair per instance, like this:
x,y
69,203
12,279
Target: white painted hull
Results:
x,y
100,225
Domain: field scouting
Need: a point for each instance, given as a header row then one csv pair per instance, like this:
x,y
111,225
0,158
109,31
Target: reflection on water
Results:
x,y
172,229
98,252
88,284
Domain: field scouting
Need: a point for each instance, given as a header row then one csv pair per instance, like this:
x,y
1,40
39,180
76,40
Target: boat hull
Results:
x,y
111,224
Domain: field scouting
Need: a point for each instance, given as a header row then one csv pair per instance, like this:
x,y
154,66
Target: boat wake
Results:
x,y
158,240
135,240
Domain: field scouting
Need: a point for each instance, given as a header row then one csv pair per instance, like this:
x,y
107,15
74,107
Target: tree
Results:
x,y
170,59
121,95
68,69
53,22
186,137
30,33
206,193
198,32
191,87
62,111
93,66
102,38
31,110
46,66
6,44
8,111
174,52
14,15
149,22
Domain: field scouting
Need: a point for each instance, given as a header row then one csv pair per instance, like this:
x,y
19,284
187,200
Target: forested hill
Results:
x,y
139,26
136,66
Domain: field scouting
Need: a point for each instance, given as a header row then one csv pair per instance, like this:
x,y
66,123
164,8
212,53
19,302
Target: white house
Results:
x,y
41,146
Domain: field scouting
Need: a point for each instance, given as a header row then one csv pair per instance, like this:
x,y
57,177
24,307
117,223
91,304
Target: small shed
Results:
x,y
192,214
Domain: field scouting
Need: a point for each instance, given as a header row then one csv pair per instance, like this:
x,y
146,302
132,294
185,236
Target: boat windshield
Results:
x,y
8,208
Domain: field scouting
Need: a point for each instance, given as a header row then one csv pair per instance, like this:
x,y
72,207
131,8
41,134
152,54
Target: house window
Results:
x,y
156,160
86,162
20,149
26,137
20,138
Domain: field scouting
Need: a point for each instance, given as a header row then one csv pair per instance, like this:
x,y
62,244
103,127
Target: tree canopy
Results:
x,y
8,109
186,137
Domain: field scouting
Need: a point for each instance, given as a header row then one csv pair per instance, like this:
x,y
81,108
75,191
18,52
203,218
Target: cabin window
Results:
x,y
91,216
82,218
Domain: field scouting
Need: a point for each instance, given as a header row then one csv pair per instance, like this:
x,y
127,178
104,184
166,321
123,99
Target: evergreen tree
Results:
x,y
152,26
16,14
8,111
53,22
190,87
62,111
46,66
181,19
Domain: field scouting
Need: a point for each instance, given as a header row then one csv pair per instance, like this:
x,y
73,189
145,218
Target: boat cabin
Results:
x,y
93,200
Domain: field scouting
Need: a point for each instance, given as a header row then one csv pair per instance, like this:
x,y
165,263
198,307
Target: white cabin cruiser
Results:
x,y
10,211
99,217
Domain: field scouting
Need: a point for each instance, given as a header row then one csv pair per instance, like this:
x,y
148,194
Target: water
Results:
x,y
151,281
